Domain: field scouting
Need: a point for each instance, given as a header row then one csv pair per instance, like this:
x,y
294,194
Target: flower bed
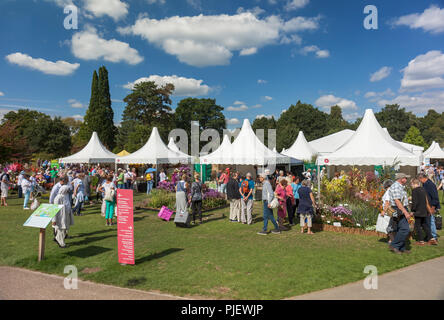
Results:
x,y
326,227
161,197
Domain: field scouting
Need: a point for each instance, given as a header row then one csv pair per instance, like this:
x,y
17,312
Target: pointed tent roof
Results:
x,y
153,152
370,145
173,146
411,147
93,152
221,155
434,152
300,149
247,149
332,142
123,153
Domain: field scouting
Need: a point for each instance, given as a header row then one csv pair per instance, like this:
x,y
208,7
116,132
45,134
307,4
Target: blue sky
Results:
x,y
255,57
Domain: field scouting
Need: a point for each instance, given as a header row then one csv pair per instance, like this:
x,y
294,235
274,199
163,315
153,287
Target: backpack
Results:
x,y
245,187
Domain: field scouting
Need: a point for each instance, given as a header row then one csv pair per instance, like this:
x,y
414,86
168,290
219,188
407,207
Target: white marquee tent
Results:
x,y
247,149
173,146
93,152
221,155
300,149
434,152
332,142
154,152
370,145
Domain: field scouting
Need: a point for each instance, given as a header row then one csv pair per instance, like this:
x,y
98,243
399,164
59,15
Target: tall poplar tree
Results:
x,y
100,116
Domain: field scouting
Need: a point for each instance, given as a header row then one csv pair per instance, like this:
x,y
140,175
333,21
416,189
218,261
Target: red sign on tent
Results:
x,y
326,161
125,226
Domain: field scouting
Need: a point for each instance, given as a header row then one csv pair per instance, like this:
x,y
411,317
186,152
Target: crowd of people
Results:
x,y
421,207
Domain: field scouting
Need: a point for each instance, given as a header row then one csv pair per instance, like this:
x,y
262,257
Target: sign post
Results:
x,y
125,226
40,218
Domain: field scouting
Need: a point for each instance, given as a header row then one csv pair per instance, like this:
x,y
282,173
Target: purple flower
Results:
x,y
340,210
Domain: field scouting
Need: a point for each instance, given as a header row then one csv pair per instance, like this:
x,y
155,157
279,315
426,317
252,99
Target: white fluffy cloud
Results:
x,y
211,40
264,116
375,96
296,4
88,45
315,49
330,100
59,68
419,103
382,73
1,94
232,121
424,72
268,98
431,20
76,104
248,52
241,107
116,9
183,86
156,1
261,81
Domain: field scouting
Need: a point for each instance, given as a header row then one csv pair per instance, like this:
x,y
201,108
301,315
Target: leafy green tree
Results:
x,y
13,146
436,132
413,136
301,116
335,121
396,120
147,106
206,111
426,124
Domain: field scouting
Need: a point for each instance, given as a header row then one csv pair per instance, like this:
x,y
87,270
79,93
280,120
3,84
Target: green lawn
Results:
x,y
218,259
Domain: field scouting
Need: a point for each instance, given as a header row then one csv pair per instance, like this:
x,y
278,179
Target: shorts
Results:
x,y
308,217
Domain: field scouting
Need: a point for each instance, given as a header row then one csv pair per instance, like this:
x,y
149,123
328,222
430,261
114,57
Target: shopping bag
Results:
x,y
165,213
35,204
382,223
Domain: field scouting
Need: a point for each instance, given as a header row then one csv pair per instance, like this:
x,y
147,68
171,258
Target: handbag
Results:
x,y
274,203
438,222
382,223
165,213
109,195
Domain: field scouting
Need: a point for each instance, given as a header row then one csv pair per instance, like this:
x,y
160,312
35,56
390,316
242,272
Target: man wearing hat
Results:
x,y
399,202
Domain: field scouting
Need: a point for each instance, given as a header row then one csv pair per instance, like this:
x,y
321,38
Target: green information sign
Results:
x,y
42,215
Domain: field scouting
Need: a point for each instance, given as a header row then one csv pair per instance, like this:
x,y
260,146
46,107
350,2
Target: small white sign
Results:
x,y
336,224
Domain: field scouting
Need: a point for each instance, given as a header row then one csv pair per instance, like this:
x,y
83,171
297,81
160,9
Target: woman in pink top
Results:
x,y
281,195
290,201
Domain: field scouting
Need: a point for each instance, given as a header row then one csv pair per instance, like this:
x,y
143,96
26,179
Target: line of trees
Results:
x,y
27,134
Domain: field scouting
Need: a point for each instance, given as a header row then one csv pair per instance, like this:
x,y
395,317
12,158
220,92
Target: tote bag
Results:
x,y
382,223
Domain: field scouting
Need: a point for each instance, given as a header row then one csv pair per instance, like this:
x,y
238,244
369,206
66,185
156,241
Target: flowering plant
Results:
x,y
340,211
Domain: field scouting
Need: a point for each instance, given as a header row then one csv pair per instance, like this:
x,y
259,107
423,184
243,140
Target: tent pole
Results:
x,y
319,185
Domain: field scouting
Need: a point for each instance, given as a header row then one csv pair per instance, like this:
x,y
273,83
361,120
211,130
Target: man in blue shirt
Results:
x,y
433,197
246,189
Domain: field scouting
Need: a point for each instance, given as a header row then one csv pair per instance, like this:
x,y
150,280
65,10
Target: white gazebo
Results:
x,y
332,142
154,152
247,149
93,152
221,155
434,152
300,149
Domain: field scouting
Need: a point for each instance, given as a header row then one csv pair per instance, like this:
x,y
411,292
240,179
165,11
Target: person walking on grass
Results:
x,y
386,207
290,202
196,198
433,198
306,206
64,219
246,191
399,202
26,187
234,197
419,210
181,191
267,197
281,195
296,185
5,179
79,194
109,189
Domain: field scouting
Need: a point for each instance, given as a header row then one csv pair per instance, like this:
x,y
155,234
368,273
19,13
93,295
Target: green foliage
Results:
x,y
38,132
413,136
305,117
100,116
396,120
147,106
265,124
335,121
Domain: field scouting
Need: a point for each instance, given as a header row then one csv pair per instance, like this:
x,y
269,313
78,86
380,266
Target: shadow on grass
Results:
x,y
89,240
135,281
80,235
87,252
157,255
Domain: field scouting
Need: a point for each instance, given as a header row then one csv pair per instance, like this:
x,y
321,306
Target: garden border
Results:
x,y
203,211
327,227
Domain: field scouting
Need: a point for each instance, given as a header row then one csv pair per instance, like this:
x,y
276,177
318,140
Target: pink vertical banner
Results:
x,y
125,226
